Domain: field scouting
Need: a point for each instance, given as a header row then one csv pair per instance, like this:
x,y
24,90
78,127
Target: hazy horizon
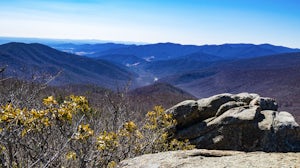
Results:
x,y
29,40
185,22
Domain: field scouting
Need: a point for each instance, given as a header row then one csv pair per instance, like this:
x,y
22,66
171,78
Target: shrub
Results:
x,y
65,134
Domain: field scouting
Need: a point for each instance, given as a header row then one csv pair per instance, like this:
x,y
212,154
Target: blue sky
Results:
x,y
180,21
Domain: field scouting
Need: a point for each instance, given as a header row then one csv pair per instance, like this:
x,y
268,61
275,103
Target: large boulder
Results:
x,y
190,111
244,121
186,112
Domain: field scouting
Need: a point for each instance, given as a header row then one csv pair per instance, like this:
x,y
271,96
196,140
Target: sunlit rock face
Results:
x,y
245,122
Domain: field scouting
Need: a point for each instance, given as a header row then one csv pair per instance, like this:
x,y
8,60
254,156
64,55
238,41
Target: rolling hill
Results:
x,y
202,71
86,49
166,59
166,51
162,94
127,60
33,60
275,76
186,63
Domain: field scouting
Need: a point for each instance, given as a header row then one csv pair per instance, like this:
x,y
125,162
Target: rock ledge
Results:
x,y
243,122
213,158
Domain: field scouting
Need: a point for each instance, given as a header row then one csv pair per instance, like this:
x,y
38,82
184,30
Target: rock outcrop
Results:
x,y
202,158
244,122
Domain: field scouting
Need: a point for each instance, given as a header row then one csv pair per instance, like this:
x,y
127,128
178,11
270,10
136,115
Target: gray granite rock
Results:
x,y
245,122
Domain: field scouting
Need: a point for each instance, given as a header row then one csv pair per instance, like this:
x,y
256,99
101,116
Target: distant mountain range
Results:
x,y
163,59
261,74
201,71
165,51
140,64
275,76
211,69
37,60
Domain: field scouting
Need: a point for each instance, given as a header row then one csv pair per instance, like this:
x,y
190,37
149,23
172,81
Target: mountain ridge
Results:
x,y
43,59
275,76
198,73
173,50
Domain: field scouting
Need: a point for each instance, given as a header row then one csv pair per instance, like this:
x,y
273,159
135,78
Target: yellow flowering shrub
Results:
x,y
151,137
159,119
84,132
112,164
107,141
49,101
157,125
64,134
130,126
71,155
29,130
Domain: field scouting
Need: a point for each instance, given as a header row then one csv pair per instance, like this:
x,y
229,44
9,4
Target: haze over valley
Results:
x,y
172,83
201,71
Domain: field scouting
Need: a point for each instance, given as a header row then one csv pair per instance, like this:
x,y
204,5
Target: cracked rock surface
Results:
x,y
243,122
213,158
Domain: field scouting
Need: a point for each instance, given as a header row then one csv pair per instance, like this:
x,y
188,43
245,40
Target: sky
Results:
x,y
151,21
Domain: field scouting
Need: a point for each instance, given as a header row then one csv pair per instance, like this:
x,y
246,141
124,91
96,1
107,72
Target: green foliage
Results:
x,y
65,133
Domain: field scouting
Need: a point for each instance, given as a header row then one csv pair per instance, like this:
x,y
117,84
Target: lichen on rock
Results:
x,y
244,122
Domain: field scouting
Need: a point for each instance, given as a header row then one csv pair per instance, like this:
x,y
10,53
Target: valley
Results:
x,y
200,71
